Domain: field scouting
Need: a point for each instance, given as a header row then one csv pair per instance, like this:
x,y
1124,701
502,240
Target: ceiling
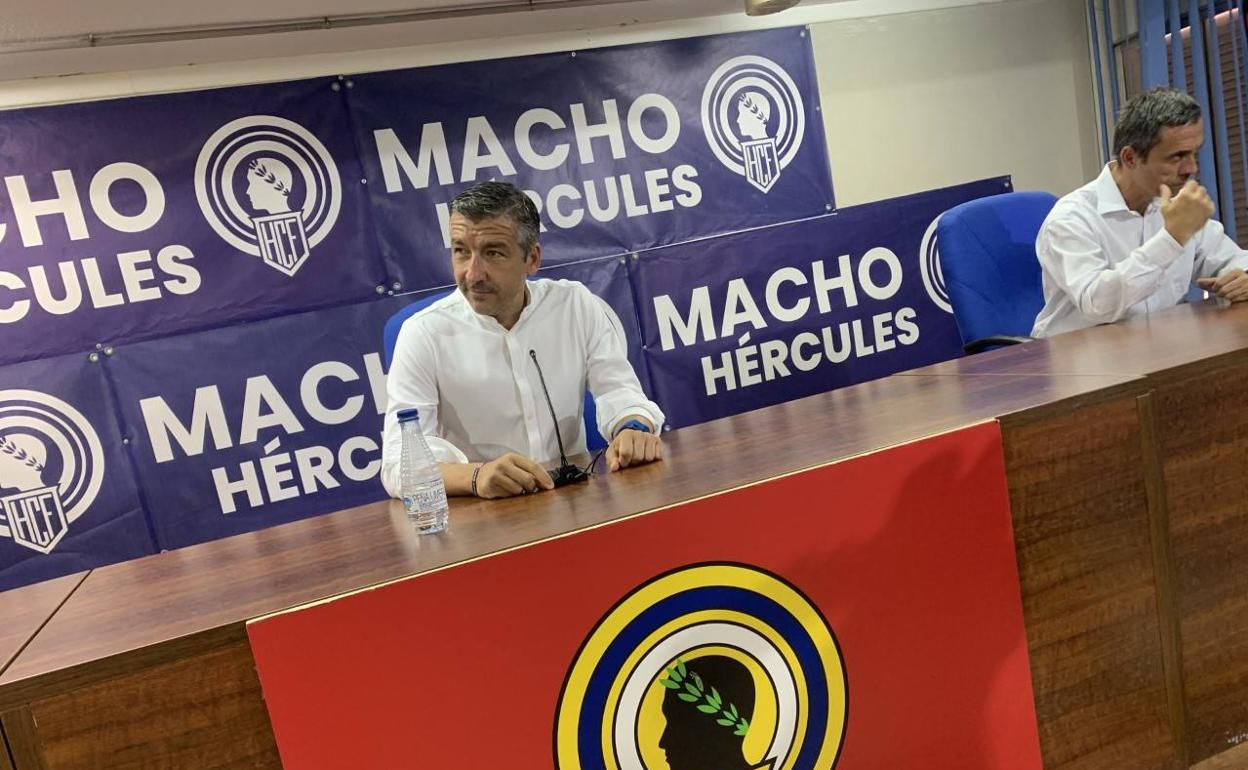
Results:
x,y
52,22
42,40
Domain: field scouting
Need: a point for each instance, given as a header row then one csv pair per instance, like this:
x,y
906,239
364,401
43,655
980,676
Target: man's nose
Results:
x,y
476,269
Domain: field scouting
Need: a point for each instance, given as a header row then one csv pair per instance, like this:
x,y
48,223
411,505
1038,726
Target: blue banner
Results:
x,y
68,501
241,428
136,218
622,148
748,320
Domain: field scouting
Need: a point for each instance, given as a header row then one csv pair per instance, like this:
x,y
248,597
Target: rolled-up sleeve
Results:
x,y
616,390
1071,253
412,383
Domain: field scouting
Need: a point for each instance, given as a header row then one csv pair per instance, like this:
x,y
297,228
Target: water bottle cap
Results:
x,y
406,415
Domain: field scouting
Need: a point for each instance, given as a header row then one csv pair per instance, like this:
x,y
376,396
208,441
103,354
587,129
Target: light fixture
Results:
x,y
764,7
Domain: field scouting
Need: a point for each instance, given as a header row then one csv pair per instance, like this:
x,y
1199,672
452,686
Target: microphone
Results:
x,y
566,473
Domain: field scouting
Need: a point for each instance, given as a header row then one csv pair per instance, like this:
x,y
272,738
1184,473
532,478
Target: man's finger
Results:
x,y
1236,292
651,449
503,483
1227,278
1165,194
537,472
613,463
1222,285
628,449
1206,283
519,475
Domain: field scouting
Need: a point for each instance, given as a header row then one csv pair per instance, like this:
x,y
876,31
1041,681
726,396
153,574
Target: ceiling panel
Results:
x,y
25,20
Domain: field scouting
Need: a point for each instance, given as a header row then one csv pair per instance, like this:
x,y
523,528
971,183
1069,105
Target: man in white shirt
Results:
x,y
1134,239
469,363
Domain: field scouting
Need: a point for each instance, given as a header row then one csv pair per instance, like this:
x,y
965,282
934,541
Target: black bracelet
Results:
x,y
475,471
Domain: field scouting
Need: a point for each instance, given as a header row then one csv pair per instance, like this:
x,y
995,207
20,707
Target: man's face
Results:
x,y
489,266
1172,161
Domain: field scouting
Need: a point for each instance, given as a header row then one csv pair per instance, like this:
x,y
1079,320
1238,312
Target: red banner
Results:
x,y
859,615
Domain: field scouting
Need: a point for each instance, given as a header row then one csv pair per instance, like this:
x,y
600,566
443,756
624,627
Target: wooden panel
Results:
x,y
19,732
200,712
1163,573
5,762
25,610
1080,508
183,594
1203,431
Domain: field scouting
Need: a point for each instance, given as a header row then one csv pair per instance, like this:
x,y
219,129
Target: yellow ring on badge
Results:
x,y
572,699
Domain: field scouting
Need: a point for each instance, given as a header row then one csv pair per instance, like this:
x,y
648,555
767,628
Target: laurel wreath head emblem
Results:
x,y
269,184
705,729
21,462
753,112
707,700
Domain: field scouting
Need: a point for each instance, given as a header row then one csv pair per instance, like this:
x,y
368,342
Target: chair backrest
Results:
x,y
988,261
390,336
593,440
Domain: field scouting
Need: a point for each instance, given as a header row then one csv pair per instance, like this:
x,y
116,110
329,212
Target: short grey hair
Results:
x,y
1143,117
488,200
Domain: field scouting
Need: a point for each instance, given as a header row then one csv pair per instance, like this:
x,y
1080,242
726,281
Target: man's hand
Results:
x,y
632,447
1186,212
1231,285
511,475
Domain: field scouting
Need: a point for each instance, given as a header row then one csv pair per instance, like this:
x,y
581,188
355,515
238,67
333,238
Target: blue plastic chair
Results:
x,y
988,260
593,439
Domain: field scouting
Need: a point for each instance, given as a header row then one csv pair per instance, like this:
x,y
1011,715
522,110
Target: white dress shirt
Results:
x,y
477,389
1102,262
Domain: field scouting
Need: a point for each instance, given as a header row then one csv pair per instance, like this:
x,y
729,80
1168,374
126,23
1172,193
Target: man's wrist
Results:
x,y
473,484
633,423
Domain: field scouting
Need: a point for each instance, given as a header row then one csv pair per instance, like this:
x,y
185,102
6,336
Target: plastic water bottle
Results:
x,y
420,481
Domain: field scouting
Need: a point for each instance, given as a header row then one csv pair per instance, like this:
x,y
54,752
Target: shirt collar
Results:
x,y
536,290
1108,197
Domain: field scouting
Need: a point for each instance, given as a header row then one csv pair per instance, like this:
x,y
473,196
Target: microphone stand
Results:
x,y
566,473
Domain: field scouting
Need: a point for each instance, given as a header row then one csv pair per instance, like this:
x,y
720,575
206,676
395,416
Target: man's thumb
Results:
x,y
1165,194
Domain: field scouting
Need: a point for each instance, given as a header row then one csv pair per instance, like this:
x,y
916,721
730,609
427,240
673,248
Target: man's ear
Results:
x,y
535,258
1128,157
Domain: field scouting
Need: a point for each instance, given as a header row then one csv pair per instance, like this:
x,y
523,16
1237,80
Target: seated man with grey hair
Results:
x,y
1134,239
469,363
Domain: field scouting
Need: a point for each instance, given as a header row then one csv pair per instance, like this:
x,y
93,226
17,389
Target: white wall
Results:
x,y
913,98
918,101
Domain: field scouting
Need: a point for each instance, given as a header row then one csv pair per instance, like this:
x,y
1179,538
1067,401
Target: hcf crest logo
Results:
x,y
269,188
51,468
753,117
710,667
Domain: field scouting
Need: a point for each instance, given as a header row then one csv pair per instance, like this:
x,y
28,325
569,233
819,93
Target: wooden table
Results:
x,y
1125,549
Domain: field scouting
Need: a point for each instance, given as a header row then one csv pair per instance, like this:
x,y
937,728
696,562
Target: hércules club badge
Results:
x,y
708,667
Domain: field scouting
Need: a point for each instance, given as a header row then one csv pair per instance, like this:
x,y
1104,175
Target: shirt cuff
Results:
x,y
634,415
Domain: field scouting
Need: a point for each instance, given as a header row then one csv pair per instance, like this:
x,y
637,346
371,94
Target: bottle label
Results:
x,y
431,499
